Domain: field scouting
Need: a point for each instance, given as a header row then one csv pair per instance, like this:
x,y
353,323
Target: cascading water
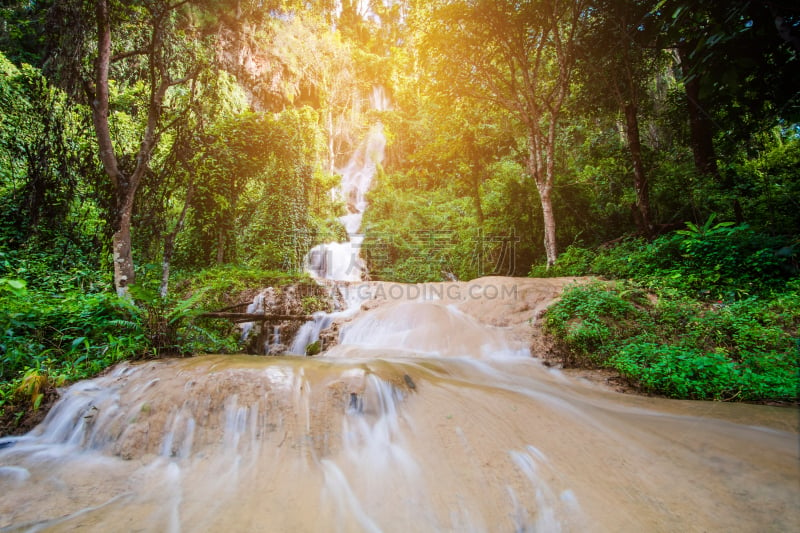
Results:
x,y
341,261
309,332
428,417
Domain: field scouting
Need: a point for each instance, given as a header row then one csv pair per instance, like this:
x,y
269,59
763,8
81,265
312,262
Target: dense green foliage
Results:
x,y
59,332
680,347
706,313
720,262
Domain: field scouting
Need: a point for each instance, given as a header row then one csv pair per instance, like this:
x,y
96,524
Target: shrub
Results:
x,y
715,261
684,372
574,261
683,347
590,318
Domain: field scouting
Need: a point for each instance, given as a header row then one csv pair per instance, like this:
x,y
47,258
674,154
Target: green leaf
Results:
x,y
16,283
77,342
17,287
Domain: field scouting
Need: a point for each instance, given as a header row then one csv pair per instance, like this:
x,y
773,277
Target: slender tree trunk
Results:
x,y
169,245
124,273
542,173
124,186
220,245
476,199
639,177
700,126
124,189
549,220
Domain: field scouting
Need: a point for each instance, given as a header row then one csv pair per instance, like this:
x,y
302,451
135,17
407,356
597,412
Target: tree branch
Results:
x,y
100,94
125,55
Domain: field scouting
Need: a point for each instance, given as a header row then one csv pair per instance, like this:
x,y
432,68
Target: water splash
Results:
x,y
415,327
310,331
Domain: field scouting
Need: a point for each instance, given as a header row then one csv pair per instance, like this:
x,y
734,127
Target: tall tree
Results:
x,y
739,63
519,55
616,62
159,23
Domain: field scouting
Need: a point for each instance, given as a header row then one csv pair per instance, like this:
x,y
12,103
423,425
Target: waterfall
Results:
x,y
426,417
341,261
379,100
337,261
309,332
238,443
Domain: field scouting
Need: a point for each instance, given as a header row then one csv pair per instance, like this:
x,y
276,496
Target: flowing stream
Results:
x,y
430,415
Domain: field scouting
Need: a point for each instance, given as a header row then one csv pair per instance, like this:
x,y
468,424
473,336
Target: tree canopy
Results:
x,y
195,133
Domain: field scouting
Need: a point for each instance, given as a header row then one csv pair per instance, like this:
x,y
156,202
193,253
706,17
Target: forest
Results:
x,y
156,155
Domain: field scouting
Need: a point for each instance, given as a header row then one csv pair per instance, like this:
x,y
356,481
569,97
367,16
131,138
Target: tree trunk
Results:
x,y
639,177
549,225
220,246
169,244
542,173
252,317
124,274
124,186
124,191
476,199
700,126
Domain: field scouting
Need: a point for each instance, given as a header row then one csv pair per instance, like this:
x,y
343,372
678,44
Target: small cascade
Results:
x,y
415,328
379,100
261,301
257,306
309,332
239,443
336,261
273,344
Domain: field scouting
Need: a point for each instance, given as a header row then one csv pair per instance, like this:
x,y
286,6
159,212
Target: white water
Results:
x,y
453,429
341,261
428,416
415,327
309,332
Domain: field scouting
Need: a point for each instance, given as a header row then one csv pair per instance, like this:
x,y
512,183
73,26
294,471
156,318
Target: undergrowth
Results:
x,y
708,312
682,347
714,262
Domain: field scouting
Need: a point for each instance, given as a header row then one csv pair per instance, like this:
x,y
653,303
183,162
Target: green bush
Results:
x,y
219,283
74,334
50,339
680,346
676,371
590,318
715,261
684,372
574,261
